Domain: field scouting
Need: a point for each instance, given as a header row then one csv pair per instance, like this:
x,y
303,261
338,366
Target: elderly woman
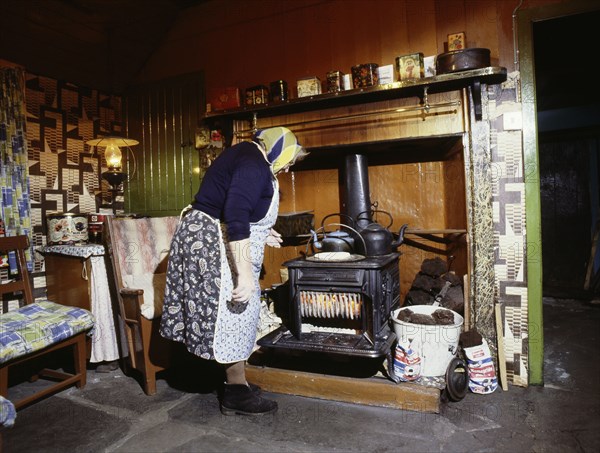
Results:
x,y
212,295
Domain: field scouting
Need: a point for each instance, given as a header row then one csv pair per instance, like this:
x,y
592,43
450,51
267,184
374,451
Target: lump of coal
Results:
x,y
404,315
452,278
411,317
418,297
470,338
443,317
454,299
434,267
418,318
424,282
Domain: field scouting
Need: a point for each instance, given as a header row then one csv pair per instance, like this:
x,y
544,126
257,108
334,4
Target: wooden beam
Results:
x,y
372,391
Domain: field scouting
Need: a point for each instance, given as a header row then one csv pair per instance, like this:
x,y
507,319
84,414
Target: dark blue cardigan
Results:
x,y
237,189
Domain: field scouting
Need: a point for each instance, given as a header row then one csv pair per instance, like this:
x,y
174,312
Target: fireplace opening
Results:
x,y
344,308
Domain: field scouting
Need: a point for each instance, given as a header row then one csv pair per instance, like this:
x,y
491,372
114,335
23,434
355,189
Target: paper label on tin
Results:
x,y
59,230
80,229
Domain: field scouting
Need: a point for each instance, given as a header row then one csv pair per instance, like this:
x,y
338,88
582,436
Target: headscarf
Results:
x,y
281,145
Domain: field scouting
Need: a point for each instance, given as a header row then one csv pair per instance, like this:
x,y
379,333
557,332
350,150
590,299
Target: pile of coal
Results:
x,y
439,317
430,280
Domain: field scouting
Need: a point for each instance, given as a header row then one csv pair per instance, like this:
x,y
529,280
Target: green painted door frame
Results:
x,y
525,21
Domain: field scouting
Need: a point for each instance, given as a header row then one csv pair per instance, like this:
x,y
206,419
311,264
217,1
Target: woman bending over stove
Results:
x,y
212,294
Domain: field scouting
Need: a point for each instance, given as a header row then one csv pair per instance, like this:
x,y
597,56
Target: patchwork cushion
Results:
x,y
154,292
35,326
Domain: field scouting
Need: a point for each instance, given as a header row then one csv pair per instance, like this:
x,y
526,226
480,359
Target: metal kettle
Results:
x,y
334,241
378,239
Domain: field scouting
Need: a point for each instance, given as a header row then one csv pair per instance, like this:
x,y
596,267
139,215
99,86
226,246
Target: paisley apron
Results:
x,y
197,308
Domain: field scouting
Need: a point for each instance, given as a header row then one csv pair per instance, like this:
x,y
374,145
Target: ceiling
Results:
x,y
101,44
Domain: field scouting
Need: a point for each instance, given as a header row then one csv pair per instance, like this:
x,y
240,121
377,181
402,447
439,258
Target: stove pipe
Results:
x,y
354,189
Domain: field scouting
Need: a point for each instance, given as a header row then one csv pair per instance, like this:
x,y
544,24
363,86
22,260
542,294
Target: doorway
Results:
x,y
526,21
568,117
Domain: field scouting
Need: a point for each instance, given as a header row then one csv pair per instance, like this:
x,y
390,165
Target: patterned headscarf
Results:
x,y
281,144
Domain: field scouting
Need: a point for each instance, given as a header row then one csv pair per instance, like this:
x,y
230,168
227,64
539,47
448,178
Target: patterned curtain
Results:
x,y
15,208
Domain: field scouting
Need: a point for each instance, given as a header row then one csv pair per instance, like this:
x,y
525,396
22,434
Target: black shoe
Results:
x,y
240,399
255,388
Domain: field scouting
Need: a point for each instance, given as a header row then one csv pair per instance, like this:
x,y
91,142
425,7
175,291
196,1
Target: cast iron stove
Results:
x,y
340,307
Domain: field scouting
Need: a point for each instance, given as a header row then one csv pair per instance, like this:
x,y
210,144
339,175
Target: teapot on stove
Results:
x,y
379,240
334,241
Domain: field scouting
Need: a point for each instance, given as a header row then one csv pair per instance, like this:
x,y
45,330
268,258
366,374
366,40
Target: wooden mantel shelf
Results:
x,y
441,83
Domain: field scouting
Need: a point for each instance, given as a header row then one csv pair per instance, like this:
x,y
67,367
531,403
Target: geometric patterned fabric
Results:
x,y
36,326
14,175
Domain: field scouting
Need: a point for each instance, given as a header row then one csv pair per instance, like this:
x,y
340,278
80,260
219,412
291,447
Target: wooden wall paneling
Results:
x,y
480,26
165,115
505,36
421,27
450,17
133,105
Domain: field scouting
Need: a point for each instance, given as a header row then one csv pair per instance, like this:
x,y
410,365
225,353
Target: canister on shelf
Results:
x,y
308,86
257,95
335,81
365,75
278,91
410,67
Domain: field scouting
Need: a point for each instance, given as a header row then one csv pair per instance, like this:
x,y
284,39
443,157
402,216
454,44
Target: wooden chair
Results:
x,y
138,249
38,328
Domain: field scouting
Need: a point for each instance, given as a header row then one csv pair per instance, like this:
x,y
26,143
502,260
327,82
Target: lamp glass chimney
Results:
x,y
113,157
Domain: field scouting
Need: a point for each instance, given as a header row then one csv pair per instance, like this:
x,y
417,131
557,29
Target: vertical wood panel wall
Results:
x,y
164,168
244,43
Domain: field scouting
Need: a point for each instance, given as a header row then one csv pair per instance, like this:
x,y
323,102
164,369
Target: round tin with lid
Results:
x,y
66,228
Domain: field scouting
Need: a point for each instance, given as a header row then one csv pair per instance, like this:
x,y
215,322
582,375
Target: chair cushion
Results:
x,y
36,326
8,413
154,292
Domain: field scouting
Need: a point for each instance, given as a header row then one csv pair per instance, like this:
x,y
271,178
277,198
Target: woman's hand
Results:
x,y
245,288
274,239
246,285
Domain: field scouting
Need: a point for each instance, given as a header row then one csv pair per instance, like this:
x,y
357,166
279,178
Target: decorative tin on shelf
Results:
x,y
335,81
365,75
308,86
292,224
66,228
222,98
456,41
257,95
429,63
348,82
278,91
462,60
410,66
386,74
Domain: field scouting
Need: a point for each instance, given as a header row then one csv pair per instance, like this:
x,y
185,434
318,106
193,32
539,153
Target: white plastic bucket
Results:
x,y
435,344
